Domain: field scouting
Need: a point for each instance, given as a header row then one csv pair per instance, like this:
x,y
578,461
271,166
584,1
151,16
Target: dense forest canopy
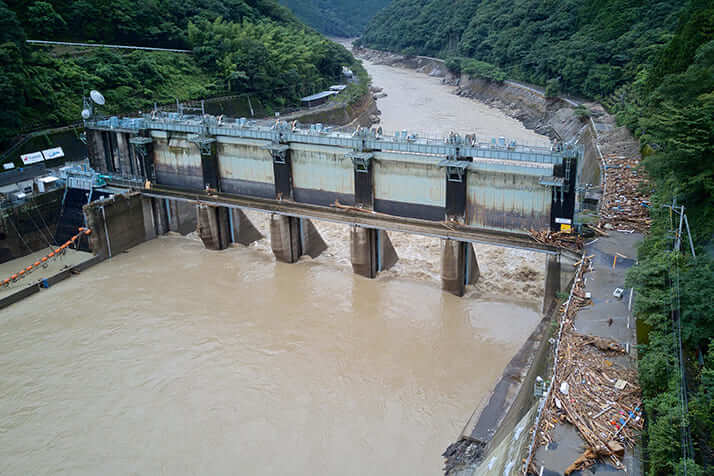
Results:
x,y
670,105
650,62
254,47
159,23
343,18
590,46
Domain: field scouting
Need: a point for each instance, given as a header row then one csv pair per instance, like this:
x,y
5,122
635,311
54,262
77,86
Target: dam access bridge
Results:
x,y
457,188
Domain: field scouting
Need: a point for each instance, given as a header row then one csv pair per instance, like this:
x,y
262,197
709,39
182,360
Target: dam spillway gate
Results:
x,y
457,188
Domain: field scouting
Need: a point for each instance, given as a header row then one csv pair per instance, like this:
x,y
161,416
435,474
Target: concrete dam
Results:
x,y
211,356
459,188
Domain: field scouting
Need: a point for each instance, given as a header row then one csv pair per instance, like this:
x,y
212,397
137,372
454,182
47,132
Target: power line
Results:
x,y
685,432
41,232
101,45
42,218
18,233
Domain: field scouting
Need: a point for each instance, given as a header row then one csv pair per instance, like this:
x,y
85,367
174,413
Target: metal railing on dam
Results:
x,y
488,187
497,149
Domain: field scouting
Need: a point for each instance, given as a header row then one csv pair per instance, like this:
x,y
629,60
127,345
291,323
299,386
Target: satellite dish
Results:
x,y
86,114
96,97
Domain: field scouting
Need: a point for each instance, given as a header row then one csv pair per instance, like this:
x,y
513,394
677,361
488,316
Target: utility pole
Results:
x,y
683,222
686,436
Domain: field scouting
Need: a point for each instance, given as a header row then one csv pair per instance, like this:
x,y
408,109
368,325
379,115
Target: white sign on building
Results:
x,y
32,158
55,153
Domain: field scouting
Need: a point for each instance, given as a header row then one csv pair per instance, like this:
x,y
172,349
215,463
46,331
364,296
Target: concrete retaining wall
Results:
x,y
496,419
28,227
359,113
117,223
51,281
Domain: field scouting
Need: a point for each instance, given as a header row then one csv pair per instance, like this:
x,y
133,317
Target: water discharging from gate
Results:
x,y
172,359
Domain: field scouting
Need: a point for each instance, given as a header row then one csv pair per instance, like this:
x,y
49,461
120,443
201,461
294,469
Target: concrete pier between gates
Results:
x,y
213,226
243,231
292,237
171,215
371,251
218,227
459,266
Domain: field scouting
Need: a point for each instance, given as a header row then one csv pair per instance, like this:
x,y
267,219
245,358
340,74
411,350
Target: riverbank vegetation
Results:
x,y
651,63
590,47
670,106
251,48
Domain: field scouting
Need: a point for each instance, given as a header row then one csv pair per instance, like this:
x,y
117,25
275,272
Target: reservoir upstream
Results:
x,y
172,359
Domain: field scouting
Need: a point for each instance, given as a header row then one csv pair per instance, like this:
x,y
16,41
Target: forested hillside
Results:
x,y
652,64
670,106
254,47
590,46
344,18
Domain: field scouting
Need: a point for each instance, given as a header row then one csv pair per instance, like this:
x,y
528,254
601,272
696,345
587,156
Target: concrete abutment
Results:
x,y
118,223
459,266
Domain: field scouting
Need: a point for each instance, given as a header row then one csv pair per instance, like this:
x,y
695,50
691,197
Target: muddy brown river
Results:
x,y
171,359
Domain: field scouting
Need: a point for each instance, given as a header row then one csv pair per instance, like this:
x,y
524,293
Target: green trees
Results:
x,y
43,19
592,46
161,23
671,106
254,47
475,68
12,74
267,58
343,18
652,63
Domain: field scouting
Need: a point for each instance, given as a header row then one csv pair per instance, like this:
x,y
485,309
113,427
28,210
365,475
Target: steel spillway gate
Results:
x,y
502,187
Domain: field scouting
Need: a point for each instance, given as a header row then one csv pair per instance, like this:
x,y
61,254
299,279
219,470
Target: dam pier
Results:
x,y
174,327
461,189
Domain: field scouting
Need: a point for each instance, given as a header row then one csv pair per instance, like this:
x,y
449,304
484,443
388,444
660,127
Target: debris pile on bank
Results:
x,y
591,391
559,238
465,452
625,203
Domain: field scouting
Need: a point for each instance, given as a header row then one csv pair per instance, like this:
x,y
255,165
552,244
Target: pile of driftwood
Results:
x,y
465,452
626,202
558,238
592,392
